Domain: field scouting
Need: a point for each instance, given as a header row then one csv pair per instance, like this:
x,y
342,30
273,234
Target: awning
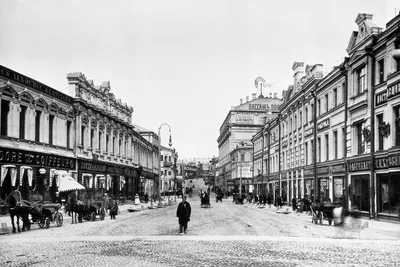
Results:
x,y
67,183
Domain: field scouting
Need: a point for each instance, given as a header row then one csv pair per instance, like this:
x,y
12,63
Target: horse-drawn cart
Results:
x,y
95,209
323,211
42,213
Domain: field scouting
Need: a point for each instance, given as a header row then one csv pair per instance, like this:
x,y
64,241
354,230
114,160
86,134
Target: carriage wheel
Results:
x,y
59,219
47,222
93,216
102,214
41,222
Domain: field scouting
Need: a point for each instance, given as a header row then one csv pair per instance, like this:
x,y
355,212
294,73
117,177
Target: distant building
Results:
x,y
240,124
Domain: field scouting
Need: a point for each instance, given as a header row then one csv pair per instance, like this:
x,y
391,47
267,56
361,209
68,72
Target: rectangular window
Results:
x,y
22,116
312,151
344,138
312,111
327,147
126,148
241,157
319,149
107,142
381,69
335,145
397,124
343,92
83,135
326,103
295,122
169,173
51,123
169,158
306,152
120,147
361,79
335,102
301,119
360,139
5,108
37,125
161,158
68,134
319,107
306,115
379,119
91,137
100,140
114,144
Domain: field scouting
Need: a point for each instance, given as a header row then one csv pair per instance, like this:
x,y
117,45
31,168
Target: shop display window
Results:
x,y
359,193
338,191
389,194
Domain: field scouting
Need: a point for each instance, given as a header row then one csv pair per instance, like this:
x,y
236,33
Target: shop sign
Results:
x,y
387,162
26,81
308,132
362,165
339,168
244,120
92,167
274,107
35,159
393,90
323,125
323,170
308,172
381,98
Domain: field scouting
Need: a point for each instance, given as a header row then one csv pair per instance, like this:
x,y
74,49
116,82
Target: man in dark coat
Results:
x,y
183,213
113,208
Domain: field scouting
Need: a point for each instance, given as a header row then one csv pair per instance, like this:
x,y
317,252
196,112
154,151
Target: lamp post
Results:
x,y
159,158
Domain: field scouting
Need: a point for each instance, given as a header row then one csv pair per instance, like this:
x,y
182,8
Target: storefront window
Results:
x,y
338,191
389,194
323,187
284,192
308,188
359,193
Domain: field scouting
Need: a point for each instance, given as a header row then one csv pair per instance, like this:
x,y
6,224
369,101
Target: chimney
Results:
x,y
247,99
241,101
254,95
275,95
270,94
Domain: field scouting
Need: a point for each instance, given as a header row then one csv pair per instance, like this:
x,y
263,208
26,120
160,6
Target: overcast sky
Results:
x,y
185,62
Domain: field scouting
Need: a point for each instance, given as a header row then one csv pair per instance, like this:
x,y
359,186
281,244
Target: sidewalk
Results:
x,y
6,226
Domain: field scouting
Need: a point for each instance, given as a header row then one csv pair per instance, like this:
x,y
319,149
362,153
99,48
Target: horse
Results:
x,y
15,210
75,207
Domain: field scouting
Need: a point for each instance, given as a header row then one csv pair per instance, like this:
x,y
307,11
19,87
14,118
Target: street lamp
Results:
x,y
159,158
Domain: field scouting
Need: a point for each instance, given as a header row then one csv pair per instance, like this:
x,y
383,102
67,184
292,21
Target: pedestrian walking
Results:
x,y
183,213
113,208
269,200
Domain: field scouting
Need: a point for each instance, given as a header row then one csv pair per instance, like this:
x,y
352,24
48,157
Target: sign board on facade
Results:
x,y
323,125
26,81
244,120
387,162
359,165
35,158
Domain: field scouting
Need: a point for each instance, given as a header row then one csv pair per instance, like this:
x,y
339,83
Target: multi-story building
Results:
x,y
339,135
169,171
36,136
241,158
240,124
47,136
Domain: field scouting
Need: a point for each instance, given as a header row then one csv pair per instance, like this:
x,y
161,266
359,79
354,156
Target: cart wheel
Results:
x,y
28,225
41,222
47,222
93,216
102,214
59,219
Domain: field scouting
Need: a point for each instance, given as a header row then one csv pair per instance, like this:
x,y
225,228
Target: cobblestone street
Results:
x,y
225,234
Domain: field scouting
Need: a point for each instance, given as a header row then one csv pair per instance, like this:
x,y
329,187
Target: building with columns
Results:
x,y
47,136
